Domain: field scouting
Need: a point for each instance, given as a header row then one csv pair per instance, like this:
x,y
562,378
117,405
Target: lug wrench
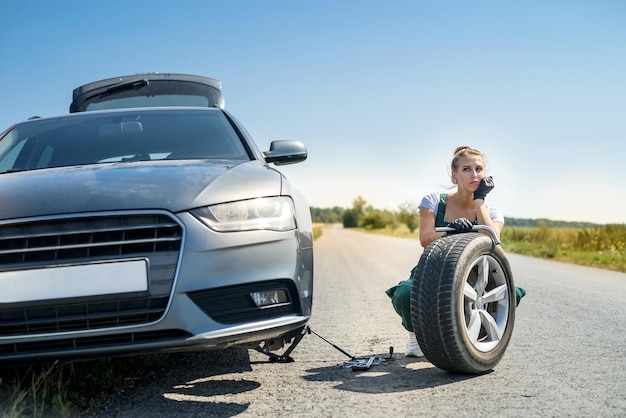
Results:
x,y
313,332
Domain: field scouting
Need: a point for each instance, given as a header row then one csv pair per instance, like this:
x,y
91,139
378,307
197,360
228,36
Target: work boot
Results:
x,y
412,347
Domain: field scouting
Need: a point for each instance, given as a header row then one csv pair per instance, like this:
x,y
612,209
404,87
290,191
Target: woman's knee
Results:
x,y
402,297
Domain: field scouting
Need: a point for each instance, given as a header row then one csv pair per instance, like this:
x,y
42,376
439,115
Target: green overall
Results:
x,y
401,293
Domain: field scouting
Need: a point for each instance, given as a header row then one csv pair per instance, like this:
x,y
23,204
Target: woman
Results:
x,y
460,210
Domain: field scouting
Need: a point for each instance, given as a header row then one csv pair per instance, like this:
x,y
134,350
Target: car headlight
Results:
x,y
273,213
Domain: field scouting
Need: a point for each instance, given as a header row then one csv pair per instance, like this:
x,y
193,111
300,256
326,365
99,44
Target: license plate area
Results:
x,y
105,278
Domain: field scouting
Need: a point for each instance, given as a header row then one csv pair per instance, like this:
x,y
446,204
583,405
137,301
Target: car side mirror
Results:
x,y
286,152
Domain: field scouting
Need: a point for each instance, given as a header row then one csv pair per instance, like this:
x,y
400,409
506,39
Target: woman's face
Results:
x,y
470,171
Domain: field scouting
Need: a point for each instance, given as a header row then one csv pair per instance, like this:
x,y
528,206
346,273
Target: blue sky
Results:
x,y
380,92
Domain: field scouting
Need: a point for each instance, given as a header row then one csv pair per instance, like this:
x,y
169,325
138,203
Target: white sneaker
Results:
x,y
412,347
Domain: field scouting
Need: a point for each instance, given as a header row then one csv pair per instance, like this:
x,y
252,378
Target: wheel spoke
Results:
x,y
473,328
483,275
469,292
492,328
496,294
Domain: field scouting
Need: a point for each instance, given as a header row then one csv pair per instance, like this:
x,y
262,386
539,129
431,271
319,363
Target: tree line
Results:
x,y
364,215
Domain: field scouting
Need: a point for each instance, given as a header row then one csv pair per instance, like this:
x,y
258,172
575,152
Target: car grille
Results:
x,y
233,304
85,239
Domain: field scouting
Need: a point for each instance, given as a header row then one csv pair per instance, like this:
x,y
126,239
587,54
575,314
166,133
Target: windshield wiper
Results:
x,y
129,85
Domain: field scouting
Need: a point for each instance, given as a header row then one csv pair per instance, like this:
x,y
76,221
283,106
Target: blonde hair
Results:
x,y
464,151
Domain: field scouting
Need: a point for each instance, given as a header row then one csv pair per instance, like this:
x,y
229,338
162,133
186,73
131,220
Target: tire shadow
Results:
x,y
395,374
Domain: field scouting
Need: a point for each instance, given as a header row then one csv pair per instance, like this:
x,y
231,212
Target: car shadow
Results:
x,y
204,381
394,374
194,380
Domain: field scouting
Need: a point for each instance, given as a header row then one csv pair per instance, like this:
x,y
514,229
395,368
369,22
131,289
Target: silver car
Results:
x,y
148,229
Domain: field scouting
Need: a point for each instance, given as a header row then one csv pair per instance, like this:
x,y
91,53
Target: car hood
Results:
x,y
173,186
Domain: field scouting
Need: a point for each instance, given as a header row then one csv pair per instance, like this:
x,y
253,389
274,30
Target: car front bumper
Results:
x,y
201,299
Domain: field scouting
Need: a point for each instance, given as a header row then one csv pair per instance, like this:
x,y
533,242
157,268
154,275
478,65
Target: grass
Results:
x,y
601,247
317,230
71,389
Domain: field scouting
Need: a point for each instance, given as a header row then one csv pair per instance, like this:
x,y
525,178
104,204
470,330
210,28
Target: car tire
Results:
x,y
463,303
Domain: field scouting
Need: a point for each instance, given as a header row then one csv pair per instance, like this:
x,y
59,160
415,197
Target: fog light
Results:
x,y
270,298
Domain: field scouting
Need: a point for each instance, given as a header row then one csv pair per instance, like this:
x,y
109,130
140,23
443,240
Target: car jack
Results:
x,y
285,356
354,363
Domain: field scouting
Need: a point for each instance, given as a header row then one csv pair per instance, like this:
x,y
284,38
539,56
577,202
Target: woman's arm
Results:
x,y
483,218
427,227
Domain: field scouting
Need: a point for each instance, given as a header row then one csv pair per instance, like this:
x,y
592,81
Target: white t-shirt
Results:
x,y
431,202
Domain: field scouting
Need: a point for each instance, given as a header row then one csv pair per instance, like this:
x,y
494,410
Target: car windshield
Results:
x,y
108,137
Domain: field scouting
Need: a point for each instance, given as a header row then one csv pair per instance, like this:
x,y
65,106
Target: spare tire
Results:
x,y
463,303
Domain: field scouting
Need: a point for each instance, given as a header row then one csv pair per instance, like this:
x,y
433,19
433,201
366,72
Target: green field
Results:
x,y
600,246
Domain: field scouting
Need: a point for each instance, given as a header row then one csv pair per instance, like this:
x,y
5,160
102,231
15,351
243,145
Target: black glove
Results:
x,y
486,185
460,225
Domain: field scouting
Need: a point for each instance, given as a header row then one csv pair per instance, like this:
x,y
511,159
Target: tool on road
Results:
x,y
334,346
361,363
364,363
356,364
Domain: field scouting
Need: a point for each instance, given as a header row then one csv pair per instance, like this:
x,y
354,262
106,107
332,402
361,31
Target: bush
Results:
x,y
409,215
350,218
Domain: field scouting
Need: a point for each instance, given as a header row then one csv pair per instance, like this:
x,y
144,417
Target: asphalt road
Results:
x,y
567,356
